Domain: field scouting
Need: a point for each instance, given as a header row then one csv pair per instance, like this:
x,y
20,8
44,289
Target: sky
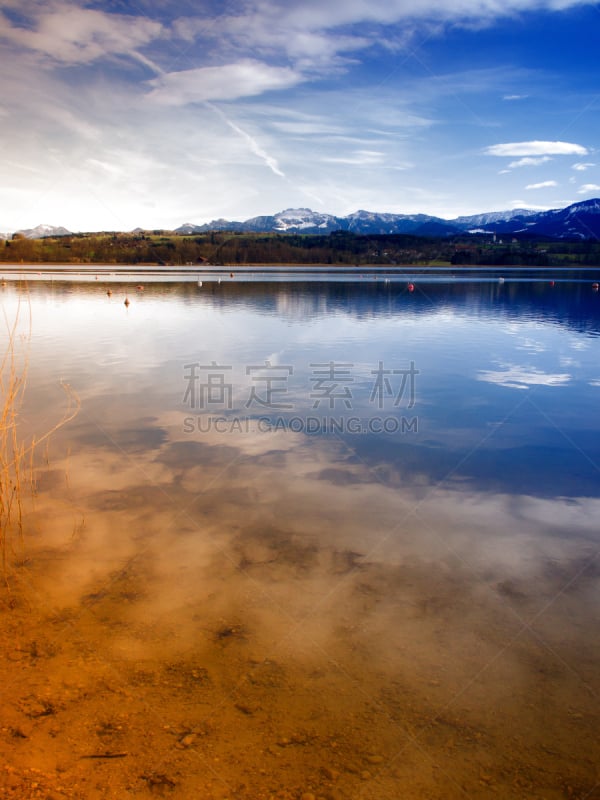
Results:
x,y
116,114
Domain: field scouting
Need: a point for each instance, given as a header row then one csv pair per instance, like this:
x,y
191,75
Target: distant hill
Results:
x,y
577,221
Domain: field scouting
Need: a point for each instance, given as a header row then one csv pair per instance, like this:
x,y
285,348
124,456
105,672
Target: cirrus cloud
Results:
x,y
316,15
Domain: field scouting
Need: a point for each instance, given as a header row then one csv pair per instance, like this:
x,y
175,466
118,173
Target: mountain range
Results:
x,y
577,221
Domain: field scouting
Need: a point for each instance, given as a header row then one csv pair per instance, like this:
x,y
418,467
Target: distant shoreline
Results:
x,y
253,251
152,273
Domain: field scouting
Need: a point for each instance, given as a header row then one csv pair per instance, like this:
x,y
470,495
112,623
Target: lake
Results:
x,y
309,535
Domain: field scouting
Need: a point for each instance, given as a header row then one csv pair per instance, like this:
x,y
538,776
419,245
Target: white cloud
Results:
x,y
525,204
535,148
542,185
308,128
582,167
588,188
361,158
106,167
263,30
72,35
529,162
245,78
515,97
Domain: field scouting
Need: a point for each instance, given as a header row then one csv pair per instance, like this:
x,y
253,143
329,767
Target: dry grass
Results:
x,y
17,452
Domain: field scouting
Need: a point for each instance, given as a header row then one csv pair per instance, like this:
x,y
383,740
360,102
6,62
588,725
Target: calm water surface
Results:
x,y
366,515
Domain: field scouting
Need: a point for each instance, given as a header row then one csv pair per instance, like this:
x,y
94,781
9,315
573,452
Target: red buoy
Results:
x,y
411,287
551,283
595,286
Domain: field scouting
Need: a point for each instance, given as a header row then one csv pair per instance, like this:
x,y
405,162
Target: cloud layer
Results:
x,y
151,114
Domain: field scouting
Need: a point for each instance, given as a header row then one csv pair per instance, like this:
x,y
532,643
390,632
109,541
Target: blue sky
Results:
x,y
120,114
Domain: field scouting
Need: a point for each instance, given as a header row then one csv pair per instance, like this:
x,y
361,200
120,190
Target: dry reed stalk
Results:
x,y
17,469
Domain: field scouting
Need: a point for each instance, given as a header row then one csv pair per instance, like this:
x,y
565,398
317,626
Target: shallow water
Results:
x,y
342,535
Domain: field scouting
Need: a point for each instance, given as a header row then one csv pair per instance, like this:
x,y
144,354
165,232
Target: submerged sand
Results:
x,y
274,618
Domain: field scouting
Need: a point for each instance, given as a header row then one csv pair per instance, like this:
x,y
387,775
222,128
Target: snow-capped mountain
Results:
x,y
304,220
481,220
298,219
295,220
216,225
370,222
43,231
581,220
577,221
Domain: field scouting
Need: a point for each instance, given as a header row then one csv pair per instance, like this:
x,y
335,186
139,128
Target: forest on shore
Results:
x,y
225,248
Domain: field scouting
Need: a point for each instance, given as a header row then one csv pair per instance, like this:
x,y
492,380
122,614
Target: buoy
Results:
x,y
551,283
139,287
500,280
411,287
126,301
199,283
231,274
595,286
108,292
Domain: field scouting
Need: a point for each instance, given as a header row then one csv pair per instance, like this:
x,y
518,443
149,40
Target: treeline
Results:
x,y
341,247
